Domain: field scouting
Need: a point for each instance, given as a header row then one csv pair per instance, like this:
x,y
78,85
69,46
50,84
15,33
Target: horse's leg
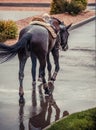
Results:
x,y
55,54
42,73
39,76
49,67
42,69
33,70
22,61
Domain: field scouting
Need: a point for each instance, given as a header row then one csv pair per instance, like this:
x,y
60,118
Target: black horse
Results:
x,y
37,40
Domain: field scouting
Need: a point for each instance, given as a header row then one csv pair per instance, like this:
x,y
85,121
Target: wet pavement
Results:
x,y
74,89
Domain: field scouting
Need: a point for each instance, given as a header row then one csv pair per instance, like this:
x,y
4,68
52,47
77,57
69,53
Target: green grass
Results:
x,y
85,120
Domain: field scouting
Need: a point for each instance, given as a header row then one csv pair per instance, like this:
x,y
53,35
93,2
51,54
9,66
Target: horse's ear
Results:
x,y
67,27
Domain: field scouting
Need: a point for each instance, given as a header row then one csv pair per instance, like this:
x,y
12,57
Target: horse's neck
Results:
x,y
58,41
55,26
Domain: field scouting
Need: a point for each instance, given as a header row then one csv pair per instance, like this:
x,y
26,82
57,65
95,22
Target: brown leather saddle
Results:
x,y
41,22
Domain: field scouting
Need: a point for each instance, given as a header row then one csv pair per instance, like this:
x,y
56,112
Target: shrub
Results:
x,y
73,7
8,30
57,6
76,6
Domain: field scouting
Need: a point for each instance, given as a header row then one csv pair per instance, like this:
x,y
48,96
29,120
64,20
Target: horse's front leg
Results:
x,y
49,67
42,73
55,54
22,61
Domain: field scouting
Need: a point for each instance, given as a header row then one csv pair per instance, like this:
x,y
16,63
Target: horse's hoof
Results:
x,y
21,100
47,91
51,86
50,83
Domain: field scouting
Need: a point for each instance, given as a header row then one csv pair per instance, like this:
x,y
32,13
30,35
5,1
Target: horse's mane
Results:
x,y
56,19
60,22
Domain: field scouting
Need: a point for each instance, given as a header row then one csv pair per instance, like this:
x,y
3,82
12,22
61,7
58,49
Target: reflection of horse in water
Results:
x,y
38,121
43,118
36,39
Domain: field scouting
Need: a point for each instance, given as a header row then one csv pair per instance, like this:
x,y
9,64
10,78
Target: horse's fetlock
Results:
x,y
21,100
21,76
21,92
54,76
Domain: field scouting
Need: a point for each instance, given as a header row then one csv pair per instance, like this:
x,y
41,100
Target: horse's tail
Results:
x,y
8,52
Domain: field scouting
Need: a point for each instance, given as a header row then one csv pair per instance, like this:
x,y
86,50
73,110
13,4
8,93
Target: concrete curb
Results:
x,y
82,22
54,123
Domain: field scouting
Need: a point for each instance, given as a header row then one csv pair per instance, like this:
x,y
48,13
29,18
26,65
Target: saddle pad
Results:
x,y
46,25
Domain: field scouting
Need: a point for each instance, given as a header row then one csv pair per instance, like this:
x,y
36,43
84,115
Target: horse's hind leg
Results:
x,y
33,69
22,61
42,69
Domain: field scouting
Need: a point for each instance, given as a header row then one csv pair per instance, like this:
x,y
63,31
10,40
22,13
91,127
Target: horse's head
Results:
x,y
64,36
63,32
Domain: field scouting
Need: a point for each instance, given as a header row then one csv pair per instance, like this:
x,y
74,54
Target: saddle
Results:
x,y
41,22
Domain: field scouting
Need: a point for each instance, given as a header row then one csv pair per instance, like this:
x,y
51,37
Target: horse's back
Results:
x,y
39,33
40,38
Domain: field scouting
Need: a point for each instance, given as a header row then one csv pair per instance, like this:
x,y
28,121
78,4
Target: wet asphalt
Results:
x,y
74,89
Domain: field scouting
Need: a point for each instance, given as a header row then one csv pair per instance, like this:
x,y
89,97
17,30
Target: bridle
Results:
x,y
58,28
